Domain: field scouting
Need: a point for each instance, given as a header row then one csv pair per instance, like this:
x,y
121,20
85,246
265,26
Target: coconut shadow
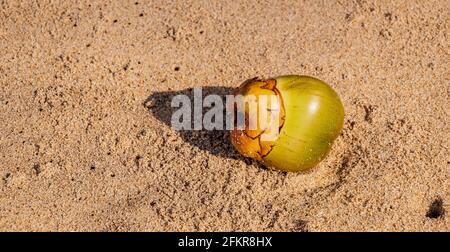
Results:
x,y
216,142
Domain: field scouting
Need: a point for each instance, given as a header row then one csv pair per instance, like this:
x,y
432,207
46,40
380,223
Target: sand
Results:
x,y
85,143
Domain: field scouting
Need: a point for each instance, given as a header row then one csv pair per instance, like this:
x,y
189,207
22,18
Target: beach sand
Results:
x,y
86,143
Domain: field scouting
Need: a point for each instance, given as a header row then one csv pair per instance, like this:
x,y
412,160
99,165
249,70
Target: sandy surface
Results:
x,y
85,95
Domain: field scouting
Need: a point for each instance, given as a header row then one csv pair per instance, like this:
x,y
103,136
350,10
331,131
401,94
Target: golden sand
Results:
x,y
85,142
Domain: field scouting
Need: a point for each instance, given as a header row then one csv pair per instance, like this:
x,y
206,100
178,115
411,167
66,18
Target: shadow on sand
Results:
x,y
216,142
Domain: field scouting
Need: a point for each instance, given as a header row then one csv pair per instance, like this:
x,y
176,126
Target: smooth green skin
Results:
x,y
314,119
